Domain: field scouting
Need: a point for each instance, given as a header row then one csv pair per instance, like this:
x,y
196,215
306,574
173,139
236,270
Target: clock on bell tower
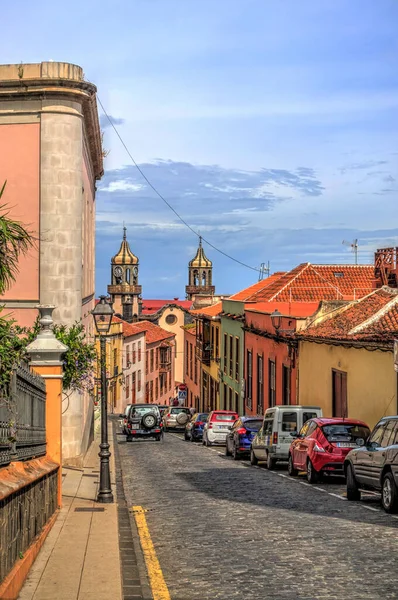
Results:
x,y
124,290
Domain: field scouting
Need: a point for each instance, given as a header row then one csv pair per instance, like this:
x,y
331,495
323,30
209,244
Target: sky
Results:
x,y
270,126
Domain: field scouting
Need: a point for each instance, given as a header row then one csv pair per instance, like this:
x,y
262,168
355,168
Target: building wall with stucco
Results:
x,y
51,156
371,379
176,316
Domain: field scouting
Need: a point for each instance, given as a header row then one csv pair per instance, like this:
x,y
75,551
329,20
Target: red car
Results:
x,y
322,445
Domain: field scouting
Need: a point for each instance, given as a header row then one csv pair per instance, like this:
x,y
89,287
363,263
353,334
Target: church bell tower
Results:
x,y
124,290
200,275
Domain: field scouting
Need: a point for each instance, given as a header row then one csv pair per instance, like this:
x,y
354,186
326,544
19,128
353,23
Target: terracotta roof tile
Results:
x,y
150,307
154,333
310,283
372,318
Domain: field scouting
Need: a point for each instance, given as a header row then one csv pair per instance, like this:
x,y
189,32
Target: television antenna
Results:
x,y
263,270
354,247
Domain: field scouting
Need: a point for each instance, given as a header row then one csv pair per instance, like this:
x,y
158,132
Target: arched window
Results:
x,y
209,277
204,278
128,276
195,278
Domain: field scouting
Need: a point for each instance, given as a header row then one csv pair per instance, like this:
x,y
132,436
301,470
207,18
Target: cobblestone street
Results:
x,y
223,529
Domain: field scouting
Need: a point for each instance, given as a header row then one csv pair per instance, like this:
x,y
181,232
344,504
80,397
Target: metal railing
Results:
x,y
23,417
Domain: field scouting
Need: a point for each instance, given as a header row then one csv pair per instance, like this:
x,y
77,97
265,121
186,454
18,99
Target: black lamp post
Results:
x,y
102,314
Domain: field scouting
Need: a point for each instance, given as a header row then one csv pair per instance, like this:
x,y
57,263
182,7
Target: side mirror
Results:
x,y
360,442
294,434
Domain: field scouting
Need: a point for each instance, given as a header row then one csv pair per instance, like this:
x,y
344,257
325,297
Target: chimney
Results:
x,y
386,268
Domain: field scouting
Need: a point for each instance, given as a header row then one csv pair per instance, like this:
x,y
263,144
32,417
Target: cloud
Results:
x,y
104,121
366,164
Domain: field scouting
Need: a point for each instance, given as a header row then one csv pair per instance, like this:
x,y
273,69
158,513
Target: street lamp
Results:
x,y
102,314
276,319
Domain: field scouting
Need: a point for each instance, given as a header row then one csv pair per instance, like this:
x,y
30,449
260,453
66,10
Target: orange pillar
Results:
x,y
46,352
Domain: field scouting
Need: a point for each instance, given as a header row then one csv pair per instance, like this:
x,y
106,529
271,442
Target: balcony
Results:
x,y
203,352
164,366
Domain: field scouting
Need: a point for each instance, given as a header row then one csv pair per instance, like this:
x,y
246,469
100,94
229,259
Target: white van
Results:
x,y
272,441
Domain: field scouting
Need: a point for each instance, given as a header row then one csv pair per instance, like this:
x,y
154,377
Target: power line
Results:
x,y
164,199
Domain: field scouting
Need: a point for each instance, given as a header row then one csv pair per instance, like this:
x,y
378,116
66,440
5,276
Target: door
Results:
x,y
288,425
339,393
379,453
300,448
364,468
263,437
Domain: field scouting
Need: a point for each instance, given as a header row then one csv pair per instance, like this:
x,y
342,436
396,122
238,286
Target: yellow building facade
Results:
x,y
114,367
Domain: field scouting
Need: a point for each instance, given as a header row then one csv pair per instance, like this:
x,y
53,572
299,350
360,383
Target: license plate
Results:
x,y
221,428
345,445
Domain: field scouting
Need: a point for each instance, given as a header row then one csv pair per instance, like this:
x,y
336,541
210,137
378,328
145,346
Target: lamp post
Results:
x,y
102,314
276,320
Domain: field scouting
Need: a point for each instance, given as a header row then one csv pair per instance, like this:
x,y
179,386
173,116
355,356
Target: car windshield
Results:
x,y
138,411
225,417
177,411
345,432
254,424
202,417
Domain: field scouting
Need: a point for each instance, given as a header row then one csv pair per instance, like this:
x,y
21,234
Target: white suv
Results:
x,y
217,426
176,417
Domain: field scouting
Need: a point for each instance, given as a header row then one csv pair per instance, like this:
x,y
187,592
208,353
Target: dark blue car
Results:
x,y
194,427
240,436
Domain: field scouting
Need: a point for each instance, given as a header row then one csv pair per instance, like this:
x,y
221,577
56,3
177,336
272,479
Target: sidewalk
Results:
x,y
80,557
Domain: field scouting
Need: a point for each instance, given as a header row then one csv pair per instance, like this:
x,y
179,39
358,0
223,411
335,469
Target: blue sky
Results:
x,y
270,126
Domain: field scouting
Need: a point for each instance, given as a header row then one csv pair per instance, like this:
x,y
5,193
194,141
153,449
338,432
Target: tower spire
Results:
x,y
124,233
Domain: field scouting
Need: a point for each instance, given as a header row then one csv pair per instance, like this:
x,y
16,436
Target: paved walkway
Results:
x,y
80,557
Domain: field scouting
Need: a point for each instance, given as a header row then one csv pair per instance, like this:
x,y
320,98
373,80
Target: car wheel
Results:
x,y
290,467
192,438
389,494
208,444
158,437
312,475
227,452
129,438
353,492
271,462
253,458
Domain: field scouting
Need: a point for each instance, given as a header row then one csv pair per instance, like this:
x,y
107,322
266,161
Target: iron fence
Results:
x,y
23,418
23,516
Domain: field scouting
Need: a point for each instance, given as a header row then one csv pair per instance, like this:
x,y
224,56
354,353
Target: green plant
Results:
x,y
14,241
79,360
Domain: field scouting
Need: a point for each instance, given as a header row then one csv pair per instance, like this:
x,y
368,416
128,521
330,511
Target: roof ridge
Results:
x,y
376,316
306,265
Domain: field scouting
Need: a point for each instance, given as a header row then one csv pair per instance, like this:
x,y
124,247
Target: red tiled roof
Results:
x,y
216,309
309,283
154,333
374,317
150,307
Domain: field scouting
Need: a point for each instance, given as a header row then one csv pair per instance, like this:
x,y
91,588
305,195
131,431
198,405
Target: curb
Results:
x,y
135,584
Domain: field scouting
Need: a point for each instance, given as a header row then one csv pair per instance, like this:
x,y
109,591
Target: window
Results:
x,y
213,341
236,407
156,388
339,393
229,398
271,383
157,358
139,351
190,360
231,355
237,347
152,359
308,415
196,370
289,421
249,379
260,385
115,366
388,434
133,387
128,355
169,380
134,354
151,391
217,348
187,344
147,392
305,428
285,384
171,319
268,426
147,361
225,351
139,381
128,387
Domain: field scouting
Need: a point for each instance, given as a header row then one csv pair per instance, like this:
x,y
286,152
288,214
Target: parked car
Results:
x,y
144,421
217,426
322,446
124,418
272,442
176,417
240,436
373,465
163,408
194,427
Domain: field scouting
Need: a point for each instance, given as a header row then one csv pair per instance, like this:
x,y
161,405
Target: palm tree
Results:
x,y
14,241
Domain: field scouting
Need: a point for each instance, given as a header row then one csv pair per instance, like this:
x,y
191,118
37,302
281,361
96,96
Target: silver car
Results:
x,y
176,417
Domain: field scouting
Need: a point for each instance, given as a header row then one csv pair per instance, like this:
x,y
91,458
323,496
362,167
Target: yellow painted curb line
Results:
x,y
155,574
